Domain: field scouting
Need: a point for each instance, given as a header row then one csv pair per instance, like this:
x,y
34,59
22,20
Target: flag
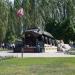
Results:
x,y
20,12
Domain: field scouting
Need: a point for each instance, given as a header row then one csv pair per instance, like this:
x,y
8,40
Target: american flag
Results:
x,y
20,12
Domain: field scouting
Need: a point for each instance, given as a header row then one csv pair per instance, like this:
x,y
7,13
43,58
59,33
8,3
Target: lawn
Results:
x,y
37,66
5,49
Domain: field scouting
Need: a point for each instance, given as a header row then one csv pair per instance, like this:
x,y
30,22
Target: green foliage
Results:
x,y
11,38
61,25
3,19
56,16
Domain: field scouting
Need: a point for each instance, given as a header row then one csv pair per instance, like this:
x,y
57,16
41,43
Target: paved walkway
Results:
x,y
50,54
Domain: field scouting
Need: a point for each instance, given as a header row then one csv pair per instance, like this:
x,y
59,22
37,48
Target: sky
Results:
x,y
12,1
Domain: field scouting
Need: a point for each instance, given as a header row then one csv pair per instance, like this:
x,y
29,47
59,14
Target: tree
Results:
x,y
3,19
62,26
56,16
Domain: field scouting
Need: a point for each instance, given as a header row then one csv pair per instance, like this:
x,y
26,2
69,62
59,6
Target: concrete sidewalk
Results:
x,y
50,54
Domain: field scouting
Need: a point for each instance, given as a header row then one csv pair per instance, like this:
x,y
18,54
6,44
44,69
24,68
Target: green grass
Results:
x,y
5,49
37,66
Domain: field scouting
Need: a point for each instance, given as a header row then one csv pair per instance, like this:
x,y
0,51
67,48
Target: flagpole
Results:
x,y
21,25
20,14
